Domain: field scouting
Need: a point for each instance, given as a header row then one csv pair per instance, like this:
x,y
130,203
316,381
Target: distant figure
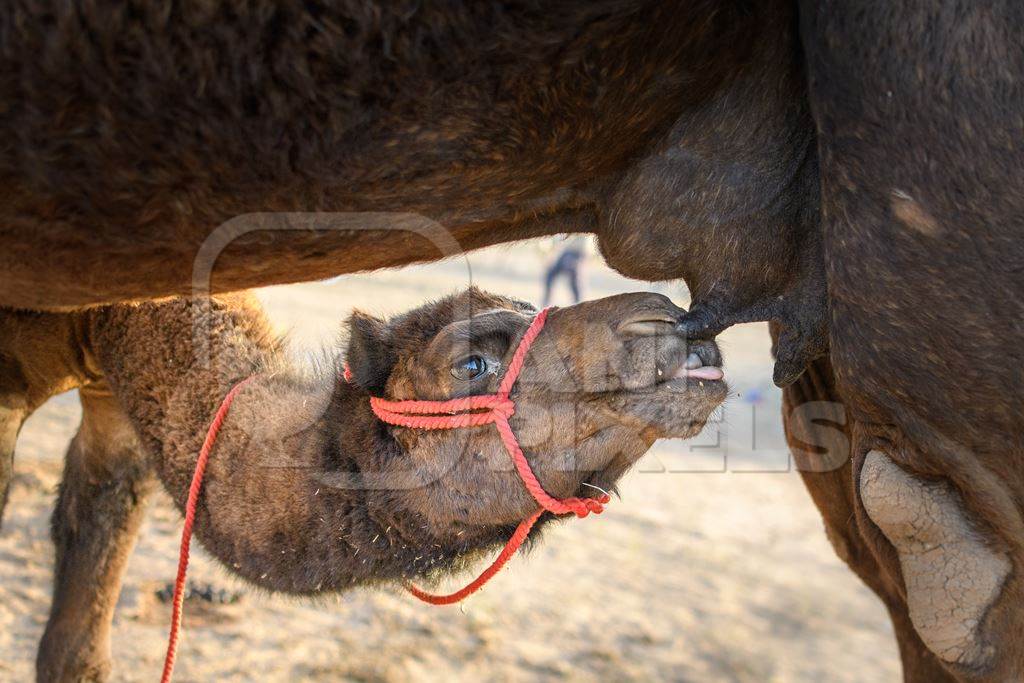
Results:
x,y
567,264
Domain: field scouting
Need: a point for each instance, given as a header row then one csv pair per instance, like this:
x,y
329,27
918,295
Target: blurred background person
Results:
x,y
567,266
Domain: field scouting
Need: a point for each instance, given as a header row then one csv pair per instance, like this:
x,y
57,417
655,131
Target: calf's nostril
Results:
x,y
693,361
647,327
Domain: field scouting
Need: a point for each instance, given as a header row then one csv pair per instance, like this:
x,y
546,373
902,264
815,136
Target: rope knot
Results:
x,y
504,408
581,507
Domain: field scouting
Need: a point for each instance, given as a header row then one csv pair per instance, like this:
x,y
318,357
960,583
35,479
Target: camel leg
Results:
x,y
99,510
14,409
819,436
10,424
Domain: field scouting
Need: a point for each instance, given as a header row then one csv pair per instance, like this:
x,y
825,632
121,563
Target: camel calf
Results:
x,y
307,490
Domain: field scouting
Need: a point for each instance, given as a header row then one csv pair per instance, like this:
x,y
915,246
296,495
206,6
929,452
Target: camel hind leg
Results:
x,y
99,509
820,439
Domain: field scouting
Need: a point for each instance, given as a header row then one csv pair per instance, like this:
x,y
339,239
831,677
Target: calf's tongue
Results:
x,y
706,372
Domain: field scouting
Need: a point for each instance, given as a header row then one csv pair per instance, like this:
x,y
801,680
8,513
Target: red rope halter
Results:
x,y
476,411
497,408
471,411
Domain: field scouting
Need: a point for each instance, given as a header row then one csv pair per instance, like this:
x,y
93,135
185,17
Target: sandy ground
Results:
x,y
712,567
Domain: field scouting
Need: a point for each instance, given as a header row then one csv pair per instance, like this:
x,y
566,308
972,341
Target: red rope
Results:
x,y
476,411
517,539
190,517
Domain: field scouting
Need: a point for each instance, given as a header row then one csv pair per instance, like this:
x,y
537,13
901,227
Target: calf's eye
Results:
x,y
470,367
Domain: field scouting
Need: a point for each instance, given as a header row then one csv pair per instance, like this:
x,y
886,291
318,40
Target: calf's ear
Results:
x,y
370,356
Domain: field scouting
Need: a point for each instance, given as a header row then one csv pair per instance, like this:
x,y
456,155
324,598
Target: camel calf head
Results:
x,y
602,382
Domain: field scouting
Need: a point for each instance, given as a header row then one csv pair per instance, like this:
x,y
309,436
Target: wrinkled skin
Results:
x,y
951,574
306,491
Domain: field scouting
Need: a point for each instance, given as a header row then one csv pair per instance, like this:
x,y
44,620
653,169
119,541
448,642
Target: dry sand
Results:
x,y
712,567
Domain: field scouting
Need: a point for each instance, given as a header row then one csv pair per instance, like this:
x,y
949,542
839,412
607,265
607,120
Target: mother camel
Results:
x,y
852,172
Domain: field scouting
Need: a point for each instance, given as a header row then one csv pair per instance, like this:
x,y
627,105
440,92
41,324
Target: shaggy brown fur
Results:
x,y
306,490
677,131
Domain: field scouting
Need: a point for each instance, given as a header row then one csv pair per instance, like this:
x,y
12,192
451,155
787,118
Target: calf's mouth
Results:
x,y
702,362
687,386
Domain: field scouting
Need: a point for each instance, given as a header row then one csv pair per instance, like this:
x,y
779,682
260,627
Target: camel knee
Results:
x,y
99,510
54,668
951,573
